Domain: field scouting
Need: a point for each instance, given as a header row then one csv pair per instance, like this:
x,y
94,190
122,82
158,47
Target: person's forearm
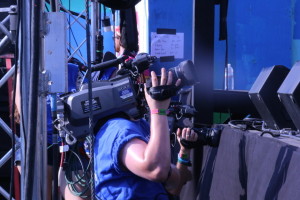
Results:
x,y
183,171
158,151
185,176
180,175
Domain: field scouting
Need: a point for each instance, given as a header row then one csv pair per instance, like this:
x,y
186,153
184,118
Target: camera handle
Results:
x,y
162,92
206,136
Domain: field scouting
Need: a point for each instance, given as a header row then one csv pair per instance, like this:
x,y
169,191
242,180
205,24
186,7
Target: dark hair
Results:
x,y
119,4
128,29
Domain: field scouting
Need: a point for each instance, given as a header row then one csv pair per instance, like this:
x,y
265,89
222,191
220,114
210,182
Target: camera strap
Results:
x,y
162,92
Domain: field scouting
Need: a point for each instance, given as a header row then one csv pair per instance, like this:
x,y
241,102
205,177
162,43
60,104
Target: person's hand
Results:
x,y
187,134
166,79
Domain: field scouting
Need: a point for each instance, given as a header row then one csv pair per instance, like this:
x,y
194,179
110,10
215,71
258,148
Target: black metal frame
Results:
x,y
203,57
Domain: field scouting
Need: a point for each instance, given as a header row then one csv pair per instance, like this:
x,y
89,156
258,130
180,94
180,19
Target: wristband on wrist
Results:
x,y
183,161
184,156
159,111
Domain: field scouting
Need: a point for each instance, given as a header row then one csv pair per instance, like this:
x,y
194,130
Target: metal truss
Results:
x,y
78,20
39,183
8,38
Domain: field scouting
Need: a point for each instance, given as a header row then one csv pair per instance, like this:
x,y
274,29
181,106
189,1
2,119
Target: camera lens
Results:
x,y
186,71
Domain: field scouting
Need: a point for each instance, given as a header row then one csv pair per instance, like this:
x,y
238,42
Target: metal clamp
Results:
x,y
64,132
45,83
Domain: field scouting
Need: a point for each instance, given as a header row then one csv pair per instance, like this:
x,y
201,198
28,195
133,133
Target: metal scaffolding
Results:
x,y
30,62
5,41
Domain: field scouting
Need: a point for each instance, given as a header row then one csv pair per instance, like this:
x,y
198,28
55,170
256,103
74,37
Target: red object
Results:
x,y
8,62
17,184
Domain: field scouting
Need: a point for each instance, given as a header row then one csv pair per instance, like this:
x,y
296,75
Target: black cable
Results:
x,y
104,12
47,9
89,78
246,124
33,99
55,150
24,61
226,62
273,134
81,179
99,42
223,35
114,22
53,5
100,22
16,57
21,71
69,20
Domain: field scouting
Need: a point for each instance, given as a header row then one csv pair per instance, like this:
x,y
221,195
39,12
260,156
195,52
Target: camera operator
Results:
x,y
133,159
119,48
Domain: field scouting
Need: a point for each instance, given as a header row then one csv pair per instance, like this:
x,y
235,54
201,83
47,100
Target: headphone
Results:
x,y
119,4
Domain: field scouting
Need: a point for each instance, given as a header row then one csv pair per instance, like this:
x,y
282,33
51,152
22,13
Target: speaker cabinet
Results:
x,y
289,94
263,95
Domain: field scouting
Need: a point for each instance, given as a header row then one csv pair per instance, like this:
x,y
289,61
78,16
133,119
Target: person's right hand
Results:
x,y
187,134
166,79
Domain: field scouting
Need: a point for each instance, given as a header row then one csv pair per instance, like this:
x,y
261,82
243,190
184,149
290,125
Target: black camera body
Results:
x,y
108,97
181,115
122,94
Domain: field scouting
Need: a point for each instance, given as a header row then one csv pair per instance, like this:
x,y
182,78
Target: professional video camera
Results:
x,y
121,94
181,115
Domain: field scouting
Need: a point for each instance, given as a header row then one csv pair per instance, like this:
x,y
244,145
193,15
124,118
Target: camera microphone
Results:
x,y
107,64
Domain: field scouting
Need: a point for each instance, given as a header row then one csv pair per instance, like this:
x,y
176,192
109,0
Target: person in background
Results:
x,y
65,190
132,159
18,158
119,48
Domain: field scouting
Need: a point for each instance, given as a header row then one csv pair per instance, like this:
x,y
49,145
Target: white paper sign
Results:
x,y
167,45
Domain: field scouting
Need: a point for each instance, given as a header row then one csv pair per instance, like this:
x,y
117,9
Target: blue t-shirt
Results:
x,y
112,181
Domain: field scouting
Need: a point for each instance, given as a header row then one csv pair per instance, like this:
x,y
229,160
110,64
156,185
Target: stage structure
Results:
x,y
41,58
9,38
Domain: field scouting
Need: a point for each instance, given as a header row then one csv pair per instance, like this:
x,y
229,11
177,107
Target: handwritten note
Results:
x,y
167,45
